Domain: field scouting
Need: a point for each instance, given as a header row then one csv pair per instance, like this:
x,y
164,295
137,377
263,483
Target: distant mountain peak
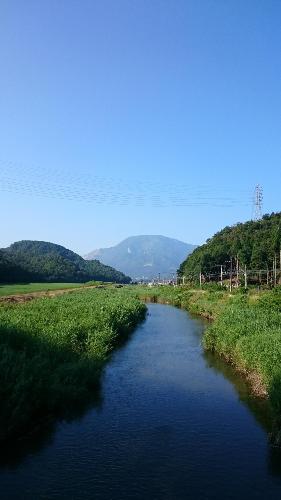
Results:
x,y
144,256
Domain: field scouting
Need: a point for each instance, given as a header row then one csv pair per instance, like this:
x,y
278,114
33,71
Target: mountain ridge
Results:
x,y
144,256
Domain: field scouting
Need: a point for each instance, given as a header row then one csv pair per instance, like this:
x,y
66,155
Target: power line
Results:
x,y
55,183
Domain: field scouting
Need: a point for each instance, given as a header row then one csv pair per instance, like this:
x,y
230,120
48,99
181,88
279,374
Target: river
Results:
x,y
171,422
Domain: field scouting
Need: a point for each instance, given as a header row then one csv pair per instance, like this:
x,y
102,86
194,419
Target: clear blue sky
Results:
x,y
123,117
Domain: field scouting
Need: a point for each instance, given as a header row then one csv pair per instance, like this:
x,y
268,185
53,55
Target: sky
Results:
x,y
121,117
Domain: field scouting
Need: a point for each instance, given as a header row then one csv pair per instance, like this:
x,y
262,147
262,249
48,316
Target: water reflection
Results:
x,y
274,461
169,421
259,407
13,453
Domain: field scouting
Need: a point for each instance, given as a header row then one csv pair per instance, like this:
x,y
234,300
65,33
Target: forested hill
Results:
x,y
10,272
46,262
254,243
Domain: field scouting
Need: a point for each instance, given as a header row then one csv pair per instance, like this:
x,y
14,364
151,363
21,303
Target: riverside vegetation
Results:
x,y
246,330
256,244
52,351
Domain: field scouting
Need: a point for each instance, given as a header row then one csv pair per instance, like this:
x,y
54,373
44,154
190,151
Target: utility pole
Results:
x,y
221,276
230,277
200,278
237,271
245,275
280,265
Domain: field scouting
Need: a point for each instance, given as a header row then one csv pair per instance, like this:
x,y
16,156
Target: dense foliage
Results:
x,y
46,262
254,243
52,351
10,272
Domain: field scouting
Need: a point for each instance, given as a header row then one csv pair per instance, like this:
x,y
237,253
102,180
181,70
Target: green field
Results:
x,y
35,287
52,351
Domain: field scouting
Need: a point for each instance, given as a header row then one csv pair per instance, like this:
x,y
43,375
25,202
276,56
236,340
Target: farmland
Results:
x,y
52,351
35,287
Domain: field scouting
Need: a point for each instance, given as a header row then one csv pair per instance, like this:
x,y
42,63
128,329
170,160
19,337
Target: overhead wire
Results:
x,y
56,183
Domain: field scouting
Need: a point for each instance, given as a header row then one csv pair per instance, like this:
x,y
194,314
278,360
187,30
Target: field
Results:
x,y
35,287
52,351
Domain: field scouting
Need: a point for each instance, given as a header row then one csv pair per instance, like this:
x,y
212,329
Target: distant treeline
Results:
x,y
40,261
256,244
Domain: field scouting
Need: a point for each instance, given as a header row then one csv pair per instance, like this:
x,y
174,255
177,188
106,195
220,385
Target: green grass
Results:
x,y
52,351
248,333
207,303
35,287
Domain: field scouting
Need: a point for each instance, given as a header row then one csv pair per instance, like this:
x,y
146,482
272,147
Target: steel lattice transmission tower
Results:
x,y
257,202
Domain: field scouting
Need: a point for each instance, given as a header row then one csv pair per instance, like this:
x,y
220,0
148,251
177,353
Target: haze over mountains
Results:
x,y
145,256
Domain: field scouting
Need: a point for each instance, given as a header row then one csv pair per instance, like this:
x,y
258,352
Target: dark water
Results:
x,y
171,423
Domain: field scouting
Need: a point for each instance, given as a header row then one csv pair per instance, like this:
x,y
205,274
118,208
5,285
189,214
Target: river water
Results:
x,y
170,423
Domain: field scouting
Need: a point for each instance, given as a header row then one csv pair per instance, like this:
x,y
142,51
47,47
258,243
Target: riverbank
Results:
x,y
170,419
52,351
246,330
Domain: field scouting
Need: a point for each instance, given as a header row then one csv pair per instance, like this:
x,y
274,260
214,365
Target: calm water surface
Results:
x,y
171,423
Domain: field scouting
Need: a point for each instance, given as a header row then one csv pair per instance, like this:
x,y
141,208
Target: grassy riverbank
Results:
x,y
52,351
246,330
207,303
248,333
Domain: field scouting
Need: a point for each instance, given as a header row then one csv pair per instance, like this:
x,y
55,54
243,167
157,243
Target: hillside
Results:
x,y
144,256
46,262
10,272
254,243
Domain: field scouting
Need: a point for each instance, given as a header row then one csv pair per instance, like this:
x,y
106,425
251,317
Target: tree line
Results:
x,y
254,245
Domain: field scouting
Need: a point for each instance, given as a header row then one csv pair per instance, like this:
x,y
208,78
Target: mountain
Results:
x,y
254,243
46,262
144,256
